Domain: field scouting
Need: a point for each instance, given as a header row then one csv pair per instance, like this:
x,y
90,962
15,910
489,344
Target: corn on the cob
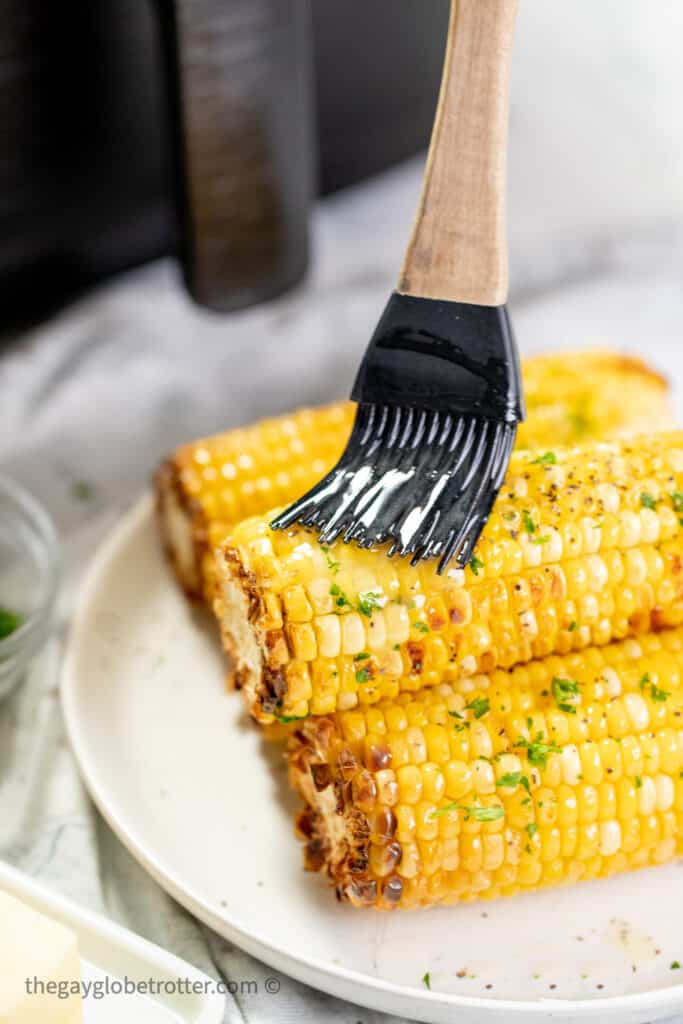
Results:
x,y
565,769
584,545
207,487
595,394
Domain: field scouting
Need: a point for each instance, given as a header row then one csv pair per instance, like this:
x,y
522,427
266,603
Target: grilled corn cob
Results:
x,y
207,487
567,768
584,545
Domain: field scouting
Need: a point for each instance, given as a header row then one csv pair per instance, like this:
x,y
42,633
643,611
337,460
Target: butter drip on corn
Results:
x,y
206,487
561,770
584,546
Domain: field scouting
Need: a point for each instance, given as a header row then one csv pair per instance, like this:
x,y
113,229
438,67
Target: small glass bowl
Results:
x,y
30,564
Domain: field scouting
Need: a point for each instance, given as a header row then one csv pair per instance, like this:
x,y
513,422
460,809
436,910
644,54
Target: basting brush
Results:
x,y
439,390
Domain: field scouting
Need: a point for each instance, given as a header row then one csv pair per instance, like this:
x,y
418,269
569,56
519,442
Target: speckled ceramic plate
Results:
x,y
201,800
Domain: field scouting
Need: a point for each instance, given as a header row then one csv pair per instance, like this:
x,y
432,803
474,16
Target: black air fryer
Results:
x,y
133,128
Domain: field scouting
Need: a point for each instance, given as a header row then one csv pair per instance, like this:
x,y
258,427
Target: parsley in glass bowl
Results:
x,y
29,578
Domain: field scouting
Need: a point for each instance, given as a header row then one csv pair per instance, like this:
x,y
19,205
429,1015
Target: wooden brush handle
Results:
x,y
458,248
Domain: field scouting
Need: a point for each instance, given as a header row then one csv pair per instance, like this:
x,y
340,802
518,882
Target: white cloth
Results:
x,y
91,400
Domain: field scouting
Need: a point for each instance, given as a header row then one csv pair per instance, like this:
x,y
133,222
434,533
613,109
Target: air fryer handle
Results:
x,y
239,76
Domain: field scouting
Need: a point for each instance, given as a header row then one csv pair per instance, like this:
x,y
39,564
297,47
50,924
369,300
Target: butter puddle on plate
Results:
x,y
44,938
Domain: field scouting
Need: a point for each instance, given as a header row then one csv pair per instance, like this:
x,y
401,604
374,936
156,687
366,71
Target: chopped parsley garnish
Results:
x,y
580,422
396,647
478,813
509,516
341,600
638,781
541,540
537,751
456,714
368,601
427,981
511,779
286,719
331,564
675,966
677,500
573,625
656,693
479,707
476,564
363,656
362,675
532,828
647,501
421,627
9,622
562,689
83,490
547,459
528,522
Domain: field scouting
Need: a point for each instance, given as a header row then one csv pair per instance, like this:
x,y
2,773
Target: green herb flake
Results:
x,y
509,516
562,690
677,500
286,719
656,693
421,627
83,490
9,622
532,828
639,782
368,601
510,779
547,459
427,981
455,714
478,813
537,751
362,675
333,566
476,564
541,540
675,966
573,625
363,656
341,600
396,647
580,422
528,522
647,501
479,707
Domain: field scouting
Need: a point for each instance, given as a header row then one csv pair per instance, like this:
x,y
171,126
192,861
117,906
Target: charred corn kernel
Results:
x,y
451,825
506,612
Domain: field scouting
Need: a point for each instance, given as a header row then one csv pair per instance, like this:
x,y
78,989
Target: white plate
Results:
x,y
201,800
109,951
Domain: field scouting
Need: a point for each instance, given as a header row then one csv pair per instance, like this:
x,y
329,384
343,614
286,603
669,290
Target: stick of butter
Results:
x,y
39,961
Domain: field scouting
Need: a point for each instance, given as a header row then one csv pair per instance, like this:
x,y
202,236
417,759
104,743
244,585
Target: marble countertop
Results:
x,y
92,399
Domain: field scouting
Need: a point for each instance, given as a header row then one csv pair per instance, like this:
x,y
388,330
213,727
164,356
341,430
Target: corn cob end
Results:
x,y
183,529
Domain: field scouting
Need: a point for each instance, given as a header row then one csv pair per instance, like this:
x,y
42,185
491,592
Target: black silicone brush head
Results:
x,y
439,395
